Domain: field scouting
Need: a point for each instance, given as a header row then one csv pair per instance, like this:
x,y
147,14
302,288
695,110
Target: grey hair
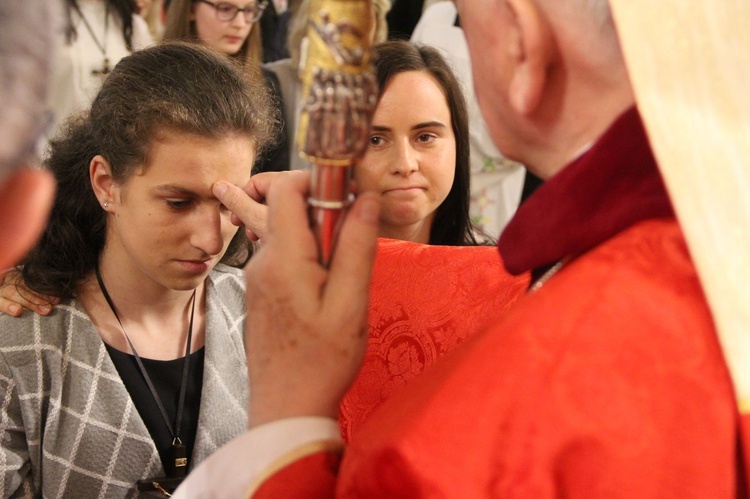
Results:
x,y
29,31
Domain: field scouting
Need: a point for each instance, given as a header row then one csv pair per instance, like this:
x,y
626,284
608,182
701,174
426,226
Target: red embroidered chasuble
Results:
x,y
425,300
607,382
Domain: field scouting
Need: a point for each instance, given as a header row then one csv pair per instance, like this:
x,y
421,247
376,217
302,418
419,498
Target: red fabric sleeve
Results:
x,y
312,477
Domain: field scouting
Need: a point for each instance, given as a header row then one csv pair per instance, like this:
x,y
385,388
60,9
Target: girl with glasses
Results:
x,y
231,27
228,26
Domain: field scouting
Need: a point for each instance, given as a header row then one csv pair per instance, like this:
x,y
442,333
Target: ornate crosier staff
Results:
x,y
340,93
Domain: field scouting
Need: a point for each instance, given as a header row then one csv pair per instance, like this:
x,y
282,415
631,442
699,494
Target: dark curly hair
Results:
x,y
452,225
171,87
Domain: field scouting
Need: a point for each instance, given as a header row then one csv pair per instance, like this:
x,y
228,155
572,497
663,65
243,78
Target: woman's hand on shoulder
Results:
x,y
15,296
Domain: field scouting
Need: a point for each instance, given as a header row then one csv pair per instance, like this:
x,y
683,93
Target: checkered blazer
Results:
x,y
68,427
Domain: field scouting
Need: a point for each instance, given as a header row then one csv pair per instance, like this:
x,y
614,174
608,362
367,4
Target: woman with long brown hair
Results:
x,y
138,373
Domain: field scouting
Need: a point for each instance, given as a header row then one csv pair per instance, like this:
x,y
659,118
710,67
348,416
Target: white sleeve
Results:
x,y
231,470
433,22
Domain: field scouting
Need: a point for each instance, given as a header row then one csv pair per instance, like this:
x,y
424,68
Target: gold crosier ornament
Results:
x,y
688,63
339,97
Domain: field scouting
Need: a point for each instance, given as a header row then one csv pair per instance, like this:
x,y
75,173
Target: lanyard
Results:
x,y
179,451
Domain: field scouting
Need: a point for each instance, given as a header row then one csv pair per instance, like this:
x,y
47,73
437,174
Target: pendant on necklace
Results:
x,y
102,73
179,454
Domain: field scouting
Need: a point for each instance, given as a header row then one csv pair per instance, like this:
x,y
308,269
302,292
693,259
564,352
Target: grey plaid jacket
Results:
x,y
68,427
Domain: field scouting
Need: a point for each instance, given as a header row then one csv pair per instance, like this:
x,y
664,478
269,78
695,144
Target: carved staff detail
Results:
x,y
340,94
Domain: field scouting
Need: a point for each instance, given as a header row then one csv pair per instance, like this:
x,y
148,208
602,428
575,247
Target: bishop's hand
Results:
x,y
306,328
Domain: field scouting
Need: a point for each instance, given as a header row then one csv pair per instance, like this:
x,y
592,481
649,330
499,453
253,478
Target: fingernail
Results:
x,y
14,309
220,188
45,309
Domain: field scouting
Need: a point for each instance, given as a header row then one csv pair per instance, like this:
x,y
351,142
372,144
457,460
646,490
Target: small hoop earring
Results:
x,y
106,204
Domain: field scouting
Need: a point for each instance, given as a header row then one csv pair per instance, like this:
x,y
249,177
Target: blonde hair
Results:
x,y
179,27
154,20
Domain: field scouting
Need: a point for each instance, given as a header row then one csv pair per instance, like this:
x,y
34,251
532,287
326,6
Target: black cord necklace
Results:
x,y
178,449
102,73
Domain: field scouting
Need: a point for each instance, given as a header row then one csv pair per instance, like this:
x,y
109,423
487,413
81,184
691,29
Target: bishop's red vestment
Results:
x,y
608,381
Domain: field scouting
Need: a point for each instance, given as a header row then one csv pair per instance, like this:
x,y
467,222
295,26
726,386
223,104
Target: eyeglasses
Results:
x,y
227,12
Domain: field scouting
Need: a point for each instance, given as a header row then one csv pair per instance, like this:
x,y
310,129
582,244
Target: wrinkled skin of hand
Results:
x,y
306,329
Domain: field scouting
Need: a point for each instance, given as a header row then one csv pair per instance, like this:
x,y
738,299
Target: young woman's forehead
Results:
x,y
177,158
418,87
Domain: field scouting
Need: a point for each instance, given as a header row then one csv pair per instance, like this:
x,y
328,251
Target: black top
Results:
x,y
530,183
403,18
274,29
166,376
276,157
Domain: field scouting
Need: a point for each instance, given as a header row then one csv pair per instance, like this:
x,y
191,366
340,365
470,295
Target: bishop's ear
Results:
x,y
531,51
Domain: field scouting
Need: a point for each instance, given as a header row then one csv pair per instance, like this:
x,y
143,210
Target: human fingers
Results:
x,y
305,323
245,210
15,296
353,258
288,221
256,192
347,291
13,304
287,338
260,183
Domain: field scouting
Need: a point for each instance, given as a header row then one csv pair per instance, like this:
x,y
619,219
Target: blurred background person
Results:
x,y
275,29
152,11
220,25
98,34
29,32
232,28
